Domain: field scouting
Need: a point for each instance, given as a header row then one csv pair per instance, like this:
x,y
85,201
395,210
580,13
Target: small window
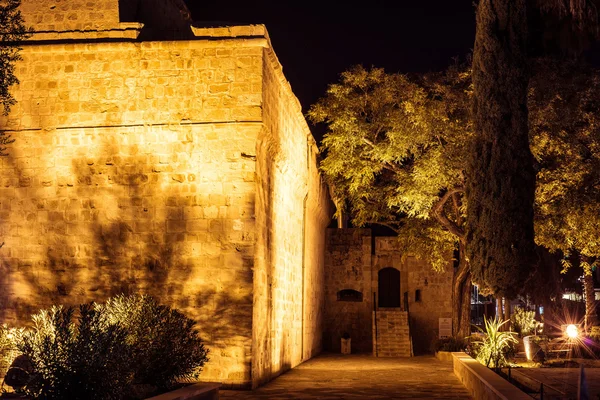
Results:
x,y
349,295
417,295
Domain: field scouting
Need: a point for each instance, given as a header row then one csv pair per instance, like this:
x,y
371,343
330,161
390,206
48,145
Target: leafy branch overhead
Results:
x,y
12,34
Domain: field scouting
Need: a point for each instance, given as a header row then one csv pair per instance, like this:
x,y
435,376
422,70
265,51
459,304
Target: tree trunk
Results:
x,y
590,301
461,298
500,175
507,314
499,312
465,315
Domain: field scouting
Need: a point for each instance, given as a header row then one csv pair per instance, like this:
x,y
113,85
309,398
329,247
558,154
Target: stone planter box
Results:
x,y
482,382
197,391
443,355
535,347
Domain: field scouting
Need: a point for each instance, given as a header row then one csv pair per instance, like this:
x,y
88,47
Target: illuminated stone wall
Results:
x,y
348,266
291,220
351,263
141,167
435,289
70,15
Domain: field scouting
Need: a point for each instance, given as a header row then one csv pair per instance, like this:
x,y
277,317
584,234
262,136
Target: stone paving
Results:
x,y
333,376
564,380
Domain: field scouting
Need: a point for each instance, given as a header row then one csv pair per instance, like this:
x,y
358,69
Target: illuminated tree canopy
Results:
x,y
396,149
565,128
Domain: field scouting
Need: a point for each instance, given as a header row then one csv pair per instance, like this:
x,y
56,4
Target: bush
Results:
x,y
496,346
76,360
524,322
165,343
449,344
8,346
105,350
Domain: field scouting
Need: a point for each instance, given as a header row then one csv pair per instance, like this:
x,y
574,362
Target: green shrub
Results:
x,y
9,337
83,359
495,346
524,322
103,351
166,345
449,344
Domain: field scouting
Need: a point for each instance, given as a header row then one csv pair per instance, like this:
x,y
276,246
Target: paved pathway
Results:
x,y
333,376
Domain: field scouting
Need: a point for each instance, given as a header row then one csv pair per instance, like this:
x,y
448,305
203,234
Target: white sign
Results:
x,y
445,328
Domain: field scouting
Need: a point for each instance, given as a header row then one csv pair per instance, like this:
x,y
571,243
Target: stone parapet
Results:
x,y
483,383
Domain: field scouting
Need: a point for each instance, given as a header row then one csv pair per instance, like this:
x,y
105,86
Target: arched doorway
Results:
x,y
389,287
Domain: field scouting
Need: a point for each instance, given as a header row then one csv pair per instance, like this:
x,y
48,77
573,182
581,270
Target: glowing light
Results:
x,y
572,331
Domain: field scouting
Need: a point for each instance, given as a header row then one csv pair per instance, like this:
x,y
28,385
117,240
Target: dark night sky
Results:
x,y
318,40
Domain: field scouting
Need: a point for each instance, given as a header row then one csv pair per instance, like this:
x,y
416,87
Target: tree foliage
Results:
x,y
566,143
12,33
394,148
397,146
501,179
565,128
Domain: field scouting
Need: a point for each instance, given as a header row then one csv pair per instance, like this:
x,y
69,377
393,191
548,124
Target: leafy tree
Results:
x,y
500,171
501,179
373,117
395,151
565,129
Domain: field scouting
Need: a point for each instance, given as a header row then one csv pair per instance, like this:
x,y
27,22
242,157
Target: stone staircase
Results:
x,y
391,333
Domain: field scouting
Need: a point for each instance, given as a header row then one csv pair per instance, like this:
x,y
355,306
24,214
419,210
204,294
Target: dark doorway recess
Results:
x,y
389,287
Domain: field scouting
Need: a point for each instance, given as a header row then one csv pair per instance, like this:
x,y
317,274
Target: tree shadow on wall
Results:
x,y
113,230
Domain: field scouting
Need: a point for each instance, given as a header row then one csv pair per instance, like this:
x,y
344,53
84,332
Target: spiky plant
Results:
x,y
494,348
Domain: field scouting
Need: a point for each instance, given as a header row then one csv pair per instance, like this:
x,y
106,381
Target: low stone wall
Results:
x,y
483,383
197,391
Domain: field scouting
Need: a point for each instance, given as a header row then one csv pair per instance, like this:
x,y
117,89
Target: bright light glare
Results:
x,y
572,331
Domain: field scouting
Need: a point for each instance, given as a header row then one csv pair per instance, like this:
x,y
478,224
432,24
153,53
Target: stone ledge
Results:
x,y
126,30
229,31
444,355
197,391
482,383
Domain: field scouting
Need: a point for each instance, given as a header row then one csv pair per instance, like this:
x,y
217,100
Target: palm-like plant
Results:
x,y
493,349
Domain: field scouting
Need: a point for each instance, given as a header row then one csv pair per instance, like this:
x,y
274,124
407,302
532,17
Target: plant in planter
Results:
x,y
536,347
449,344
496,346
524,322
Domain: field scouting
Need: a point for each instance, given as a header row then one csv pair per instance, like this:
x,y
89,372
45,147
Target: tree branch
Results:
x,y
438,212
386,224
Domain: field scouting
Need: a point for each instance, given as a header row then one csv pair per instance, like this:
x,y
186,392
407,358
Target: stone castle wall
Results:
x,y
70,15
348,266
134,170
352,263
435,291
182,169
291,219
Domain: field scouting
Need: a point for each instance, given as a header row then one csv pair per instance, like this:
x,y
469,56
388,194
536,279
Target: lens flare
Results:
x,y
572,331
